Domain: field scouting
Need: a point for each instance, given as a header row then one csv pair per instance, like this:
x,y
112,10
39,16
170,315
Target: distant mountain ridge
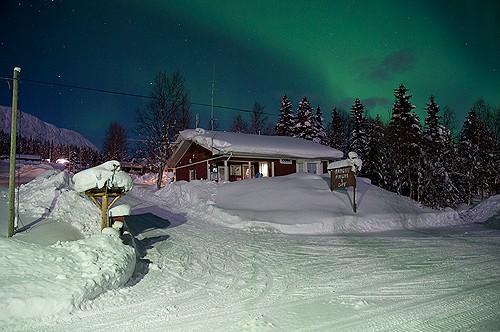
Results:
x,y
33,127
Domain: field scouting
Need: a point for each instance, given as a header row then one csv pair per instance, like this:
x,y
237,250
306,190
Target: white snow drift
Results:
x,y
301,204
43,271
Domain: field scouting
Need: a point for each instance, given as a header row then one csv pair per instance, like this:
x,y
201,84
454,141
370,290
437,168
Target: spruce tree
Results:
x,y
405,139
470,156
337,136
375,159
305,121
286,122
478,153
359,140
439,189
319,128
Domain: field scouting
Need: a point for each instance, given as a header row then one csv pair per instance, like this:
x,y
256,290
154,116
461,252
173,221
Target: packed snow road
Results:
x,y
194,275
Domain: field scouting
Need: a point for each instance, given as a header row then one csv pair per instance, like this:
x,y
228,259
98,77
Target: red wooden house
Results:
x,y
215,155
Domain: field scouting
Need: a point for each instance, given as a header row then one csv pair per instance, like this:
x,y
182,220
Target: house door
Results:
x,y
248,173
264,169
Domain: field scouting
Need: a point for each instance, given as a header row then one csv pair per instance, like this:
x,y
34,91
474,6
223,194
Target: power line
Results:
x,y
122,93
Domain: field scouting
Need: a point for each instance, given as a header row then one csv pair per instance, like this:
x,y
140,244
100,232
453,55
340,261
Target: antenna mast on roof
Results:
x,y
212,100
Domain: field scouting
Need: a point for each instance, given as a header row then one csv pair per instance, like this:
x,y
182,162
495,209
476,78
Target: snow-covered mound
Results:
x,y
302,204
32,126
37,195
108,173
194,197
42,276
39,281
483,211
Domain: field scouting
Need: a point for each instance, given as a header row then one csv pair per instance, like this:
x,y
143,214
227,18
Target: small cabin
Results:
x,y
227,156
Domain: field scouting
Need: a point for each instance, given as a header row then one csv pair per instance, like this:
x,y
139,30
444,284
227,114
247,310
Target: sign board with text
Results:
x,y
342,177
285,161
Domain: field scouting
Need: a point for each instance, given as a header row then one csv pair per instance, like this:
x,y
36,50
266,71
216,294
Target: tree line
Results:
x,y
79,157
424,162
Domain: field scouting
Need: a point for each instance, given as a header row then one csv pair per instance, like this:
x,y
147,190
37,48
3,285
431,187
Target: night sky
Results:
x,y
330,51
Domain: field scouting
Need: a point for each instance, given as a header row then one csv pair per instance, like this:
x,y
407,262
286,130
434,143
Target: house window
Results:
x,y
192,174
300,167
312,168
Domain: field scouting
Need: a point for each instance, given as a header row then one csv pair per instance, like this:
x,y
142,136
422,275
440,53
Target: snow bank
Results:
x,y
108,173
49,196
38,195
302,204
194,197
42,276
483,211
39,281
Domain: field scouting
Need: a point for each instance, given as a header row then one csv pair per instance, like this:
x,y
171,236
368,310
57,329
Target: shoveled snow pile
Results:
x,y
39,281
44,276
302,204
194,195
483,211
107,174
50,198
38,195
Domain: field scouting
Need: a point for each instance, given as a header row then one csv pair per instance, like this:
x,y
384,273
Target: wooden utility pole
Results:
x,y
12,168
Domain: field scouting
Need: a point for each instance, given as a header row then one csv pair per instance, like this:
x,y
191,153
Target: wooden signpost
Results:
x,y
344,177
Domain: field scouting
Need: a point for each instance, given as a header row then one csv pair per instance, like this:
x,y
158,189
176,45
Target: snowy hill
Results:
x,y
32,126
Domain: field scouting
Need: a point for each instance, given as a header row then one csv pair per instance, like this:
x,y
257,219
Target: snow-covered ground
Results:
x,y
195,273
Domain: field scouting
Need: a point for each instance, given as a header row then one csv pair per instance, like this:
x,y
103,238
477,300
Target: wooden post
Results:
x,y
12,160
104,211
331,180
354,207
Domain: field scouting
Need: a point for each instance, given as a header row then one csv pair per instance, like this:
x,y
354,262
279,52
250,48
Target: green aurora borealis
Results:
x,y
331,51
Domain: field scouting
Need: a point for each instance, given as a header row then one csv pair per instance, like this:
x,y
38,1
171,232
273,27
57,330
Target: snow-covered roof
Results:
x,y
278,146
